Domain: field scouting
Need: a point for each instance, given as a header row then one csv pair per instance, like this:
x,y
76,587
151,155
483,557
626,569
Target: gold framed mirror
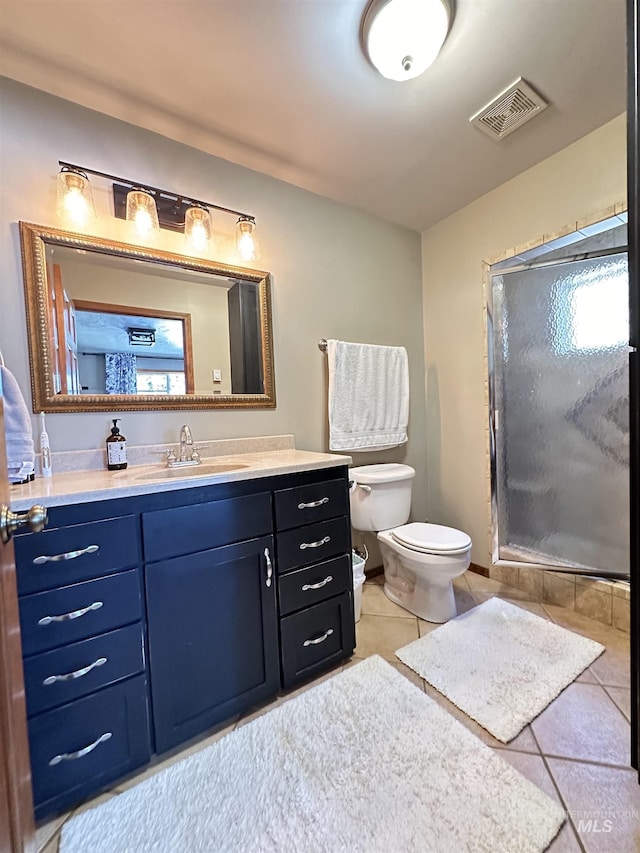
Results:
x,y
113,326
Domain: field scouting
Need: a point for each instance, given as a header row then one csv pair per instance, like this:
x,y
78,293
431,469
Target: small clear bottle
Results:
x,y
116,449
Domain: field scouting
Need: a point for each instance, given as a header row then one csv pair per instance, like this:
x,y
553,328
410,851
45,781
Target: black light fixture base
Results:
x,y
171,209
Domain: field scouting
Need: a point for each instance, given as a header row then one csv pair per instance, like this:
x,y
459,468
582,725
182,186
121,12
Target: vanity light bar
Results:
x,y
181,201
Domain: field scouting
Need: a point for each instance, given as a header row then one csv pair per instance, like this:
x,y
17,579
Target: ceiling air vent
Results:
x,y
509,110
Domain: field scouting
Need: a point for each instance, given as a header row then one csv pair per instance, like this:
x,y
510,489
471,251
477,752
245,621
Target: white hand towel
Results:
x,y
368,396
17,427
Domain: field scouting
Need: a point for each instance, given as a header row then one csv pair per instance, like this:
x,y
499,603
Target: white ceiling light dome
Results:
x,y
403,37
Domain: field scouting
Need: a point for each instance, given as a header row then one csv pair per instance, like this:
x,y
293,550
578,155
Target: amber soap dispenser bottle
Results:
x,y
116,449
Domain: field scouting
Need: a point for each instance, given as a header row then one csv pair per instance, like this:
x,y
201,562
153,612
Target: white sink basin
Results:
x,y
203,470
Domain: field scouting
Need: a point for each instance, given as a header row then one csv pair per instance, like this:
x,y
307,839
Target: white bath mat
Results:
x,y
500,664
364,761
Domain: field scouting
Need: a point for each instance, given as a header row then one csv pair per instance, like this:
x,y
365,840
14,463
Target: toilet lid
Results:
x,y
431,538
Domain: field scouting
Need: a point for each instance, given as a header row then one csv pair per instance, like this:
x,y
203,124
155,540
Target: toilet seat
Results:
x,y
431,538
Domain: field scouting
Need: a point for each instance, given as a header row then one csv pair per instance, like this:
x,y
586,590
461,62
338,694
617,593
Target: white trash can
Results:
x,y
357,564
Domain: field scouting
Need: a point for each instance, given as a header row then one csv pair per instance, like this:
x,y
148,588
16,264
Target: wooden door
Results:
x,y
16,806
67,344
633,179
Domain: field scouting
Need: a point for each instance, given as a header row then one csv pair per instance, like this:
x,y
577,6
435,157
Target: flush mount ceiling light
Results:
x,y
403,37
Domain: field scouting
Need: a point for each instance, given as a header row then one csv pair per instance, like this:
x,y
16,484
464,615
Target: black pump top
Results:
x,y
114,428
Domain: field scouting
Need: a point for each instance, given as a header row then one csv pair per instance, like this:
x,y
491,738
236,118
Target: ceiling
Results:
x,y
283,87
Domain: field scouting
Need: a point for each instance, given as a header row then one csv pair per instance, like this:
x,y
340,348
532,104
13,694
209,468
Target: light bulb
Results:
x,y
245,240
142,211
197,229
74,199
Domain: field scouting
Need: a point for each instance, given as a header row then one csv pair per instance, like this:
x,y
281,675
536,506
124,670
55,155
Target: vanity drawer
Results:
x,y
57,677
82,746
313,584
316,638
186,530
65,555
312,543
60,616
314,502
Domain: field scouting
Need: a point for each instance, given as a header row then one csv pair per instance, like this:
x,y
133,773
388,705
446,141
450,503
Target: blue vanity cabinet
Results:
x,y
84,655
212,617
315,583
147,620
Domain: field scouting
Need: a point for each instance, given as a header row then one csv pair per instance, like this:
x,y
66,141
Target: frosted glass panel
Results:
x,y
561,386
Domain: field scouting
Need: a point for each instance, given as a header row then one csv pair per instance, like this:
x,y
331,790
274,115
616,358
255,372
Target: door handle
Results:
x,y
35,519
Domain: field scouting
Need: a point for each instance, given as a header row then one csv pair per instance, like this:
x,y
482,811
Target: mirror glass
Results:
x,y
115,326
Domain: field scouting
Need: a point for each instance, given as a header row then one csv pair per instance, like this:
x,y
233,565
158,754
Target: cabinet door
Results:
x,y
213,639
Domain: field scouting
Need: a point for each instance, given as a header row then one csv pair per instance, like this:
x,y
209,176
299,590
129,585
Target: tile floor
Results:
x,y
577,750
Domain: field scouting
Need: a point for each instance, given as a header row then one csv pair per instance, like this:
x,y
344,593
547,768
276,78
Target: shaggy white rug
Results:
x,y
364,761
500,664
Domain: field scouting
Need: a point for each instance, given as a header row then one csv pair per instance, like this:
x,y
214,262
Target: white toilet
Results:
x,y
420,560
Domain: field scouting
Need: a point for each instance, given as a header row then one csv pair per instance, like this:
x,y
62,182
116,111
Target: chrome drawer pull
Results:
x,y
313,504
75,614
315,544
72,756
69,555
319,639
78,673
318,585
269,567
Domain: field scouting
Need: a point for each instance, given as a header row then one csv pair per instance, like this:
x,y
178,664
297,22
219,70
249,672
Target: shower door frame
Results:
x,y
526,253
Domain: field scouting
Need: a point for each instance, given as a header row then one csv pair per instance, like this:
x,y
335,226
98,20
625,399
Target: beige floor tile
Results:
x,y
612,667
523,742
413,677
426,627
533,768
261,710
177,756
622,697
587,677
462,582
383,635
297,691
94,802
47,831
584,723
377,579
53,846
376,603
594,795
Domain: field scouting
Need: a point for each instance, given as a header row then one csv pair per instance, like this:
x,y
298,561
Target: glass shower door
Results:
x,y
561,418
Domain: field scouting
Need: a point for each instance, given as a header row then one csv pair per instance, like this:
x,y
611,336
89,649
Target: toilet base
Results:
x,y
428,601
420,582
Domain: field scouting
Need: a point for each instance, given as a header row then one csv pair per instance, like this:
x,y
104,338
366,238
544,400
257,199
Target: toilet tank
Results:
x,y
380,495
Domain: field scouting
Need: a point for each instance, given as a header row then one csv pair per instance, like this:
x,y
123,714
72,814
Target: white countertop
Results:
x,y
85,486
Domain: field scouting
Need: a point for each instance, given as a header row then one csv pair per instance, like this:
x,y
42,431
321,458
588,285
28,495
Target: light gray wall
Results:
x,y
337,273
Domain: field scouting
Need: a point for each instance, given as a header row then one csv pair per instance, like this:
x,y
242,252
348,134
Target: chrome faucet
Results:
x,y
185,441
189,454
